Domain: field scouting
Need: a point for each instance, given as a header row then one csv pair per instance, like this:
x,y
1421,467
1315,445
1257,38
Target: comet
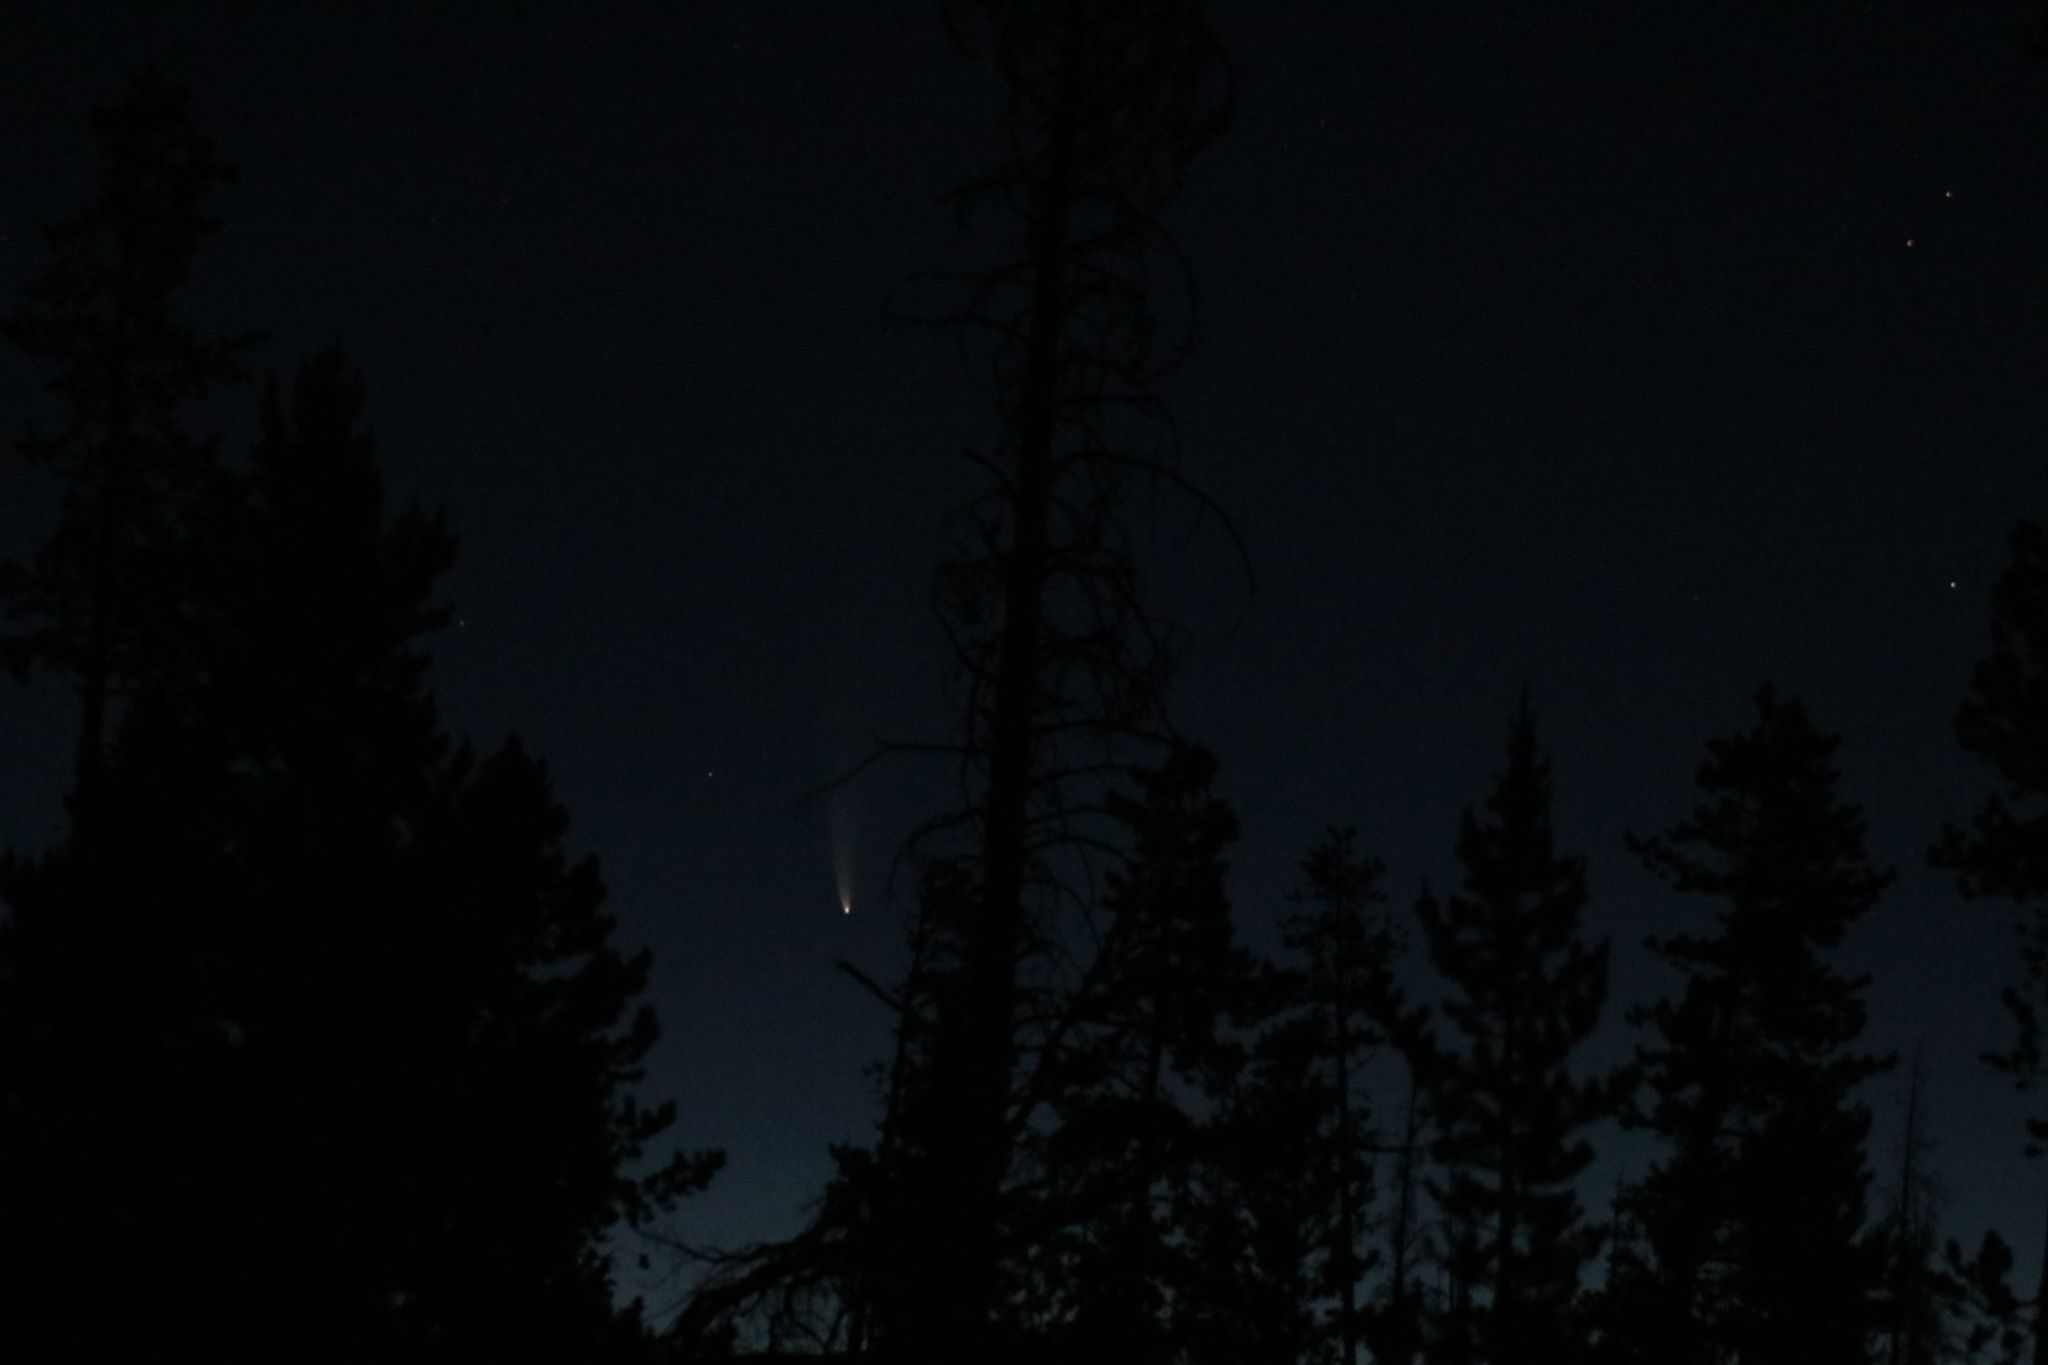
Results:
x,y
842,822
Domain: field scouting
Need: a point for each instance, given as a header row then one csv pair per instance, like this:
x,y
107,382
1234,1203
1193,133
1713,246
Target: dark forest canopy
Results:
x,y
310,1020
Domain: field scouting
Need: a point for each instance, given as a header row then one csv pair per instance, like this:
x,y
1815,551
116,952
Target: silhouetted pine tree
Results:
x,y
1939,1306
880,1186
111,1067
120,1158
1258,1219
455,967
1282,1218
101,600
1984,1322
1752,1222
1912,1331
1344,958
1343,1007
1525,991
1393,1327
1064,667
362,1008
2003,853
1125,1089
1063,664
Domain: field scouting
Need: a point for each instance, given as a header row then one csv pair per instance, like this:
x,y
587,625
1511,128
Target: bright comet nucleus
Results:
x,y
840,817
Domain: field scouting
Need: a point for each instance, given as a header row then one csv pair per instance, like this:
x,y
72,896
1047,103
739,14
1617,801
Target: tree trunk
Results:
x,y
962,1267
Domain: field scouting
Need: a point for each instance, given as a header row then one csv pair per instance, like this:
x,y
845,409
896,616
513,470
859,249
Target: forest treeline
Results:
x,y
316,1042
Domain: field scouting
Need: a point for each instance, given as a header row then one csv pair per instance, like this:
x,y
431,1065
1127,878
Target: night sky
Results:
x,y
1639,352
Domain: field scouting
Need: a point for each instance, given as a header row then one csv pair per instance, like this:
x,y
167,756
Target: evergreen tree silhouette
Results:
x,y
1346,963
1107,103
1939,1306
1342,1007
120,1155
367,1008
1525,991
880,1185
1753,1219
107,1047
1393,1326
1281,1219
1983,1321
100,600
2003,853
495,1070
1912,1328
1259,1220
1145,1048
1062,662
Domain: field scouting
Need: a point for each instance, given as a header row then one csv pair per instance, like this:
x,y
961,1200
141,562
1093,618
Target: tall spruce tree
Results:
x,y
100,601
1347,1007
1524,991
2002,855
1753,1219
101,1033
1063,663
1125,1090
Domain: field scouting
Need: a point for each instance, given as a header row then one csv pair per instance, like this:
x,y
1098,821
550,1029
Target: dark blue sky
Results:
x,y
1584,349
